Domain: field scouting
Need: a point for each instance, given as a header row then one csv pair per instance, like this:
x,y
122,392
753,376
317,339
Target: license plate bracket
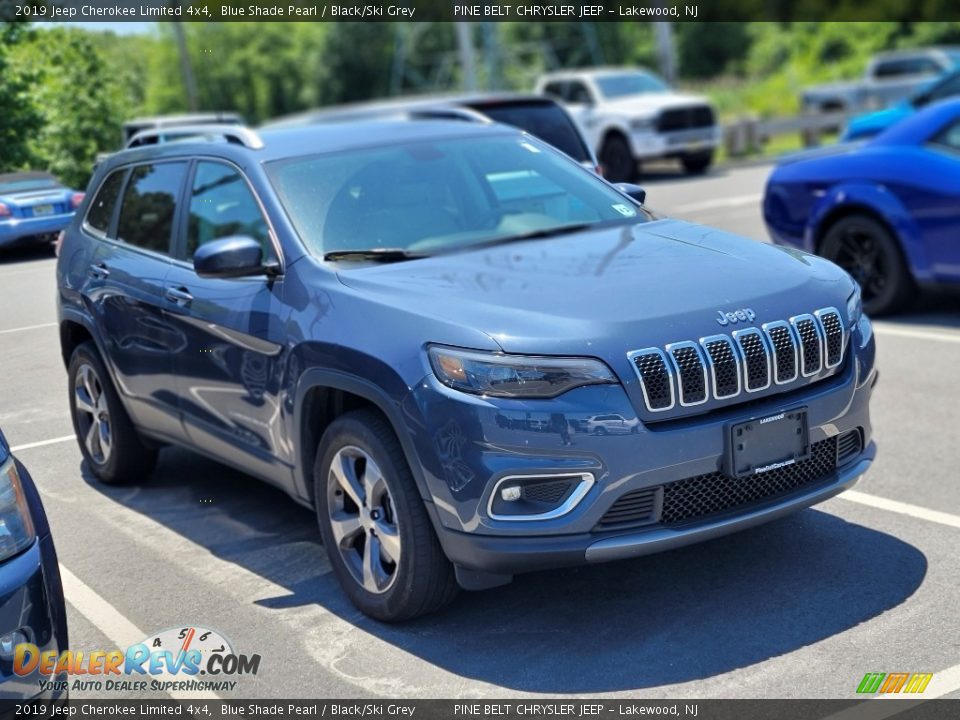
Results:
x,y
768,443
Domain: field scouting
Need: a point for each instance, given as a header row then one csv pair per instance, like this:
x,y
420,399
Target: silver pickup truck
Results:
x,y
889,77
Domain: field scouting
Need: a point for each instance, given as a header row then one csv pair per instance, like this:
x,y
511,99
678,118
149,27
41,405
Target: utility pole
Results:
x,y
468,62
665,54
186,68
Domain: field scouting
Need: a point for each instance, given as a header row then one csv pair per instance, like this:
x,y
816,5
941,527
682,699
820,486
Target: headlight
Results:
x,y
515,376
16,526
857,319
642,123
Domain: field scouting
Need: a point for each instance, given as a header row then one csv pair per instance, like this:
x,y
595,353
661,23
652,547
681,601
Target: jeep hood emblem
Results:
x,y
735,316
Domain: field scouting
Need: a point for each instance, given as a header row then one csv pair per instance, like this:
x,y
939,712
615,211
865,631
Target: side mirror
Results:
x,y
229,257
634,192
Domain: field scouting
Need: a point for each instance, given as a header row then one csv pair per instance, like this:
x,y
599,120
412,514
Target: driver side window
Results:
x,y
221,205
949,137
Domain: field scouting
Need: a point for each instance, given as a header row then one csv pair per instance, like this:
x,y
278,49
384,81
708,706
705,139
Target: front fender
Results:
x,y
874,199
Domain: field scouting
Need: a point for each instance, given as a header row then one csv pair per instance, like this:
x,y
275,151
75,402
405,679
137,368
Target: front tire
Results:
x,y
617,160
867,250
373,522
108,440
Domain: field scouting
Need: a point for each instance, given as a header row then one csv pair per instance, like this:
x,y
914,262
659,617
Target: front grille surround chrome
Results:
x,y
675,349
799,322
740,339
778,353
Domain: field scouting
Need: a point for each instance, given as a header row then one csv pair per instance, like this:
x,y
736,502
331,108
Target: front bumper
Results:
x,y
509,556
31,601
650,144
467,445
14,231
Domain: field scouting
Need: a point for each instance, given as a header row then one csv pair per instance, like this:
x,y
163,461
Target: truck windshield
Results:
x,y
431,196
633,83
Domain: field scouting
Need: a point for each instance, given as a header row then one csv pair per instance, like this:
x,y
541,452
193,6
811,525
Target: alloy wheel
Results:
x,y
861,255
363,519
93,414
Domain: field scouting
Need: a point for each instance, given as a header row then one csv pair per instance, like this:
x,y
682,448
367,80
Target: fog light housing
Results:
x,y
538,497
511,493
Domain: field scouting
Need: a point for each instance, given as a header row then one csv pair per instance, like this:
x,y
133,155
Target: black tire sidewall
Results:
x,y
619,149
899,283
129,459
351,429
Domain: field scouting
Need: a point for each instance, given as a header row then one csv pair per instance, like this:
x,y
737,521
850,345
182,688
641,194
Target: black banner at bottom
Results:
x,y
562,709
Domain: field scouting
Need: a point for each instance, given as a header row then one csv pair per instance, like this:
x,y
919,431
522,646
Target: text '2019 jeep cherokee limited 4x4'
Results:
x,y
413,327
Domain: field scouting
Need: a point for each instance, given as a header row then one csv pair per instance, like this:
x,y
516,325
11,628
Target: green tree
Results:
x,y
19,117
80,104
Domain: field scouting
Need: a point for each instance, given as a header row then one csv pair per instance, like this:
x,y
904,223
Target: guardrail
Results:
x,y
747,135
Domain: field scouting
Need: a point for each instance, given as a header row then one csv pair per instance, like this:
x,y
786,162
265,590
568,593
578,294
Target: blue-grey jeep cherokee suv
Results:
x,y
470,355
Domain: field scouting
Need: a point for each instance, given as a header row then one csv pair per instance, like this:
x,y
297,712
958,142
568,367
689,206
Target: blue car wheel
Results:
x,y
867,250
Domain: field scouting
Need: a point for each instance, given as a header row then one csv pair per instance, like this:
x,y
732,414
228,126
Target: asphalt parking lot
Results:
x,y
802,607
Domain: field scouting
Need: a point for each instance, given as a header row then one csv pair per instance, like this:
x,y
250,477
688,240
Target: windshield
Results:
x,y
632,83
437,195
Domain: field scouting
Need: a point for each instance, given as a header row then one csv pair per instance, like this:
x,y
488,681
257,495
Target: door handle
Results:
x,y
99,271
180,296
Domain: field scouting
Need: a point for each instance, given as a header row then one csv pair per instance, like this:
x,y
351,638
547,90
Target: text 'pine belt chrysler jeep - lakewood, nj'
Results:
x,y
428,332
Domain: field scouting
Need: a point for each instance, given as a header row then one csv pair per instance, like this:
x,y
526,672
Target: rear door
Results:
x,y
229,370
133,215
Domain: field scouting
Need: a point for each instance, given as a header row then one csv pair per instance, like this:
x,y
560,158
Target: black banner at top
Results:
x,y
479,10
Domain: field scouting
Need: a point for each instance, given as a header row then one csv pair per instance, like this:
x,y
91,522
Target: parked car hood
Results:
x,y
869,124
607,290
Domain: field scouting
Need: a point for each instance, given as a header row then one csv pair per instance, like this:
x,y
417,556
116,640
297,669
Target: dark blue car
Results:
x,y
413,328
34,207
31,597
887,211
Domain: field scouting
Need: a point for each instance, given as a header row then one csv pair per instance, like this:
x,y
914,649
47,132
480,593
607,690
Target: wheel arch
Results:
x,y
880,205
322,396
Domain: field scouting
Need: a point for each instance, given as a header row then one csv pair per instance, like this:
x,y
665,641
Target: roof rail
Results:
x,y
236,134
446,112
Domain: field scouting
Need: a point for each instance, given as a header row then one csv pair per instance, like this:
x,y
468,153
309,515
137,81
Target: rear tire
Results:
x,y
866,249
617,160
375,528
108,440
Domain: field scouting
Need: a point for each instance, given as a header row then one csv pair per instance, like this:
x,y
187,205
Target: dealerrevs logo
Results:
x,y
172,659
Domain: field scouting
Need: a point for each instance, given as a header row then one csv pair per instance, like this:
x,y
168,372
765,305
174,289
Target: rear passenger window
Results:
x,y
101,209
222,205
149,204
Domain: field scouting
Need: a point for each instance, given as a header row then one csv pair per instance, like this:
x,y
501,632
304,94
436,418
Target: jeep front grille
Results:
x,y
721,367
702,496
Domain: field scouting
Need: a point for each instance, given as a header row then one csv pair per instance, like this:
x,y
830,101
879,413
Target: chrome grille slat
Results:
x,y
786,357
756,359
721,367
811,344
834,338
692,387
724,365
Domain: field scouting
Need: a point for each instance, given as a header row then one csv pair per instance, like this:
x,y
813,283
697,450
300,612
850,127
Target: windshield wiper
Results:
x,y
378,254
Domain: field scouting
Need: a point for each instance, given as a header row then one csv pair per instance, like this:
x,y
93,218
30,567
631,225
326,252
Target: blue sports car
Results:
x,y
34,207
32,611
869,124
887,210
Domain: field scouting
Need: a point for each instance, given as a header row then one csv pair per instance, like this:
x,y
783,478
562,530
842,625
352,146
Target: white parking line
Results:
x,y
42,443
28,327
899,331
943,683
902,508
115,626
718,203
